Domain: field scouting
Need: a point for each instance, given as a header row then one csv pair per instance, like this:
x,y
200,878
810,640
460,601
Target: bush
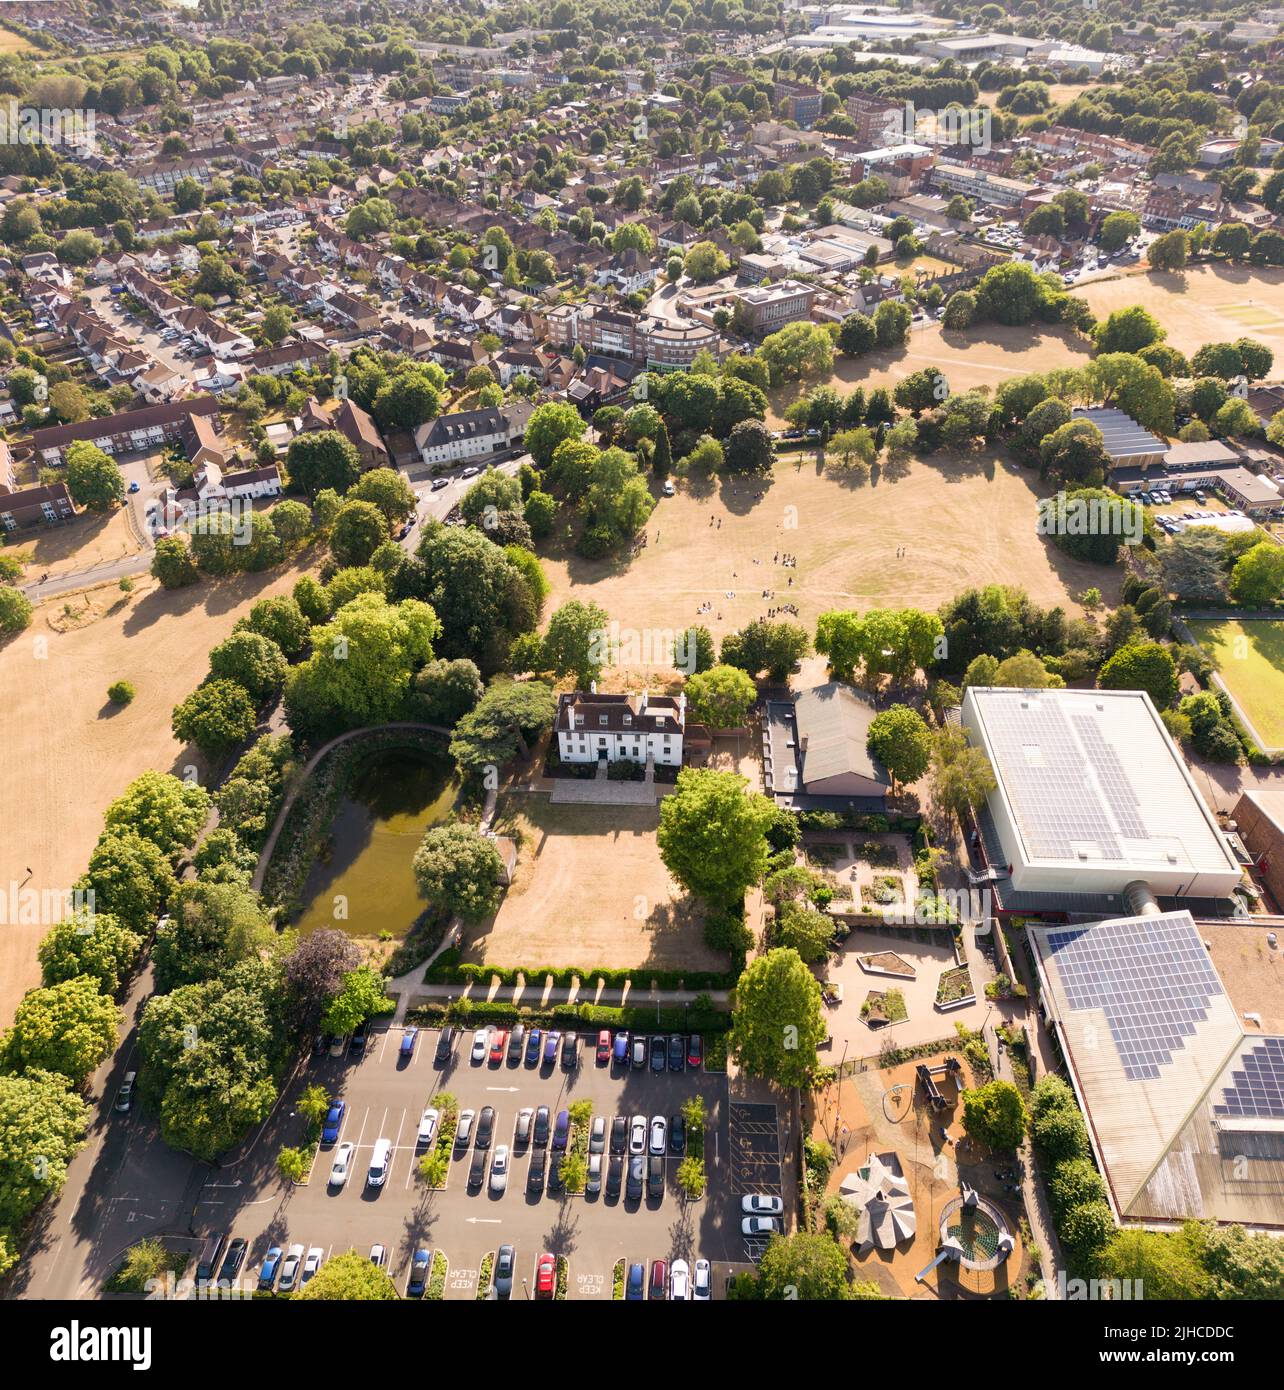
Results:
x,y
120,692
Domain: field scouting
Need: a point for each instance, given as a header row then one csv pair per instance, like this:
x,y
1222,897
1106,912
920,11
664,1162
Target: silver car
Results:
x,y
499,1170
597,1135
594,1183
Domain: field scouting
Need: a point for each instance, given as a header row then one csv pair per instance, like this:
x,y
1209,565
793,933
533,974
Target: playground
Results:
x,y
910,1116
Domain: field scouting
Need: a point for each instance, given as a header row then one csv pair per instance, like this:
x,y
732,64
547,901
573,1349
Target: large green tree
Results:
x,y
458,869
712,834
777,1023
66,1028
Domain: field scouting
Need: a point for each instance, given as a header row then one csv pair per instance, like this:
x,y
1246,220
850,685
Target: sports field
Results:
x,y
1250,657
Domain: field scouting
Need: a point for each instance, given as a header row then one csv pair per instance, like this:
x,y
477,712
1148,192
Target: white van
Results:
x,y
379,1162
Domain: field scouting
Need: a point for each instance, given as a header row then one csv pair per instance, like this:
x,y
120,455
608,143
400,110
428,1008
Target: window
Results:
x,y
602,718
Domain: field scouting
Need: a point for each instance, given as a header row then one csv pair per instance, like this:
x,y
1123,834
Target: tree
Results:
x,y
1074,1182
280,619
161,808
389,491
66,1028
1169,252
358,531
994,1115
796,351
362,995
15,610
1258,576
720,697
277,323
1142,666
777,1025
856,335
705,262
350,1277
803,1266
1239,1265
1128,330
313,974
961,774
459,869
130,877
506,719
215,717
1118,228
802,928
960,311
574,644
773,647
43,1122
492,493
1085,1232
93,479
93,944
549,425
322,459
901,741
211,927
409,397
893,320
749,448
173,563
712,834
1075,453
1166,1265
447,690
253,662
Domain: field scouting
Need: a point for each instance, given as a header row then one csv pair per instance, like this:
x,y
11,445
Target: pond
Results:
x,y
364,881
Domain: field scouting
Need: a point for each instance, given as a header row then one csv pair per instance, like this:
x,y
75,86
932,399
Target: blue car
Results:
x,y
635,1287
135,487
532,1046
271,1267
551,1040
620,1049
333,1122
418,1275
408,1043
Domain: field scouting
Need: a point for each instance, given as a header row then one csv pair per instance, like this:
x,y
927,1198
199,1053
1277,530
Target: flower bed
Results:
x,y
954,986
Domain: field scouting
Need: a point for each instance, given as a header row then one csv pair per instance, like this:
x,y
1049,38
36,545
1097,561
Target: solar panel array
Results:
x,y
1152,979
1056,803
1113,780
1257,1083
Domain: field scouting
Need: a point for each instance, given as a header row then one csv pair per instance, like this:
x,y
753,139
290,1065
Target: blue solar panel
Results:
x,y
1257,1083
1152,979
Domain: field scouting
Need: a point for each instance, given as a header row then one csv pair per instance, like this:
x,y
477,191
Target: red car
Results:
x,y
695,1050
498,1042
545,1276
659,1279
604,1047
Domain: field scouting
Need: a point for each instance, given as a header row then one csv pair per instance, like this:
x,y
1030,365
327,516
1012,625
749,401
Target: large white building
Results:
x,y
633,727
1094,799
471,434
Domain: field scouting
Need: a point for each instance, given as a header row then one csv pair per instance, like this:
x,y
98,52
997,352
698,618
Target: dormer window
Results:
x,y
628,720
602,719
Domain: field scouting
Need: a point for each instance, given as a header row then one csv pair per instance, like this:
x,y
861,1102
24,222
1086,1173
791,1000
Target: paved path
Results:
x,y
126,567
533,994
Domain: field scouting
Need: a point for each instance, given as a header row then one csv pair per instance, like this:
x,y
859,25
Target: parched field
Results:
x,y
91,540
961,523
589,889
68,753
1250,659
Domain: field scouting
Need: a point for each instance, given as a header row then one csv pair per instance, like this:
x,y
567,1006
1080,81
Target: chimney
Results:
x,y
592,687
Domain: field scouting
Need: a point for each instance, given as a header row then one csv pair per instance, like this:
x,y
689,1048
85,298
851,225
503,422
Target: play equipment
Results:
x,y
927,1079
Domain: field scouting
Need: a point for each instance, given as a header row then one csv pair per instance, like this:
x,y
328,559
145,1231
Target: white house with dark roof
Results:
x,y
470,434
633,727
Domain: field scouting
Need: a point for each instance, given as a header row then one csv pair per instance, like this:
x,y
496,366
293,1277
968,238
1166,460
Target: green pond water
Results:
x,y
364,881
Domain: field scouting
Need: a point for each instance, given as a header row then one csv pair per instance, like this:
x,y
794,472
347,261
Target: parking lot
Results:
x,y
385,1094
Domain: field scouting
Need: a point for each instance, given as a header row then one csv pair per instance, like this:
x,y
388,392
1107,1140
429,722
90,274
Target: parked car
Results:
x,y
637,1134
555,1183
532,1047
380,1162
290,1268
659,1279
342,1165
545,1276
311,1263
505,1258
659,1134
759,1225
125,1096
702,1282
481,1042
525,1118
420,1264
677,1052
593,1185
499,1170
635,1284
485,1126
232,1261
407,1049
270,1268
655,1176
679,1282
639,1052
379,1256
620,1049
498,1046
464,1128
658,1051
570,1052
541,1127
614,1176
516,1042
636,1179
597,1135
477,1169
677,1134
333,1122
535,1173
603,1047
428,1126
562,1131
551,1040
668,488
760,1204
445,1044
360,1036
695,1050
135,487
438,483
619,1134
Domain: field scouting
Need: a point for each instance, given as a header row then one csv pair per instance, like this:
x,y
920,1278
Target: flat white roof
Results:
x,y
1091,778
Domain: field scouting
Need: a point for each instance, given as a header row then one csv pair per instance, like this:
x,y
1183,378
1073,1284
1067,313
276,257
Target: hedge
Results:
x,y
448,969
673,1020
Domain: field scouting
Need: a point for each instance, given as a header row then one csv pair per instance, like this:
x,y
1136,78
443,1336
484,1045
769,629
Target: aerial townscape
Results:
x,y
642,658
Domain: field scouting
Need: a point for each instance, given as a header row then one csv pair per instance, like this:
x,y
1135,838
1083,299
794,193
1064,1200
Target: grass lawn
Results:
x,y
589,890
1250,658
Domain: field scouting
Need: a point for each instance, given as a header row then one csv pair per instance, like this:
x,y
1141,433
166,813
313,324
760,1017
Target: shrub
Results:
x,y
120,692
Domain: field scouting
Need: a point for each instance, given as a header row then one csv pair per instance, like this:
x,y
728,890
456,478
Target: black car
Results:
x,y
555,1172
359,1035
485,1127
535,1177
677,1134
619,1134
516,1043
232,1261
659,1048
570,1051
655,1176
541,1127
445,1044
637,1176
677,1052
614,1176
477,1169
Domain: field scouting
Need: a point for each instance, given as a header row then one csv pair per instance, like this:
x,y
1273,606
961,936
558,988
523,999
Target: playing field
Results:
x,y
14,43
917,540
1250,658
